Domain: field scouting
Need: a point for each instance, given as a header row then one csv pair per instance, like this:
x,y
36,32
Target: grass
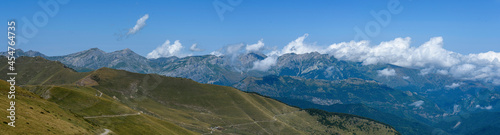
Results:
x,y
39,116
199,107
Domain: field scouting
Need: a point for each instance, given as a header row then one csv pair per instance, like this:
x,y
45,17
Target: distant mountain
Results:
x,y
20,52
206,69
451,94
315,66
95,58
132,103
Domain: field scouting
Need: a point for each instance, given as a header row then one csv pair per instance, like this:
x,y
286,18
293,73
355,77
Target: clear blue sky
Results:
x,y
466,26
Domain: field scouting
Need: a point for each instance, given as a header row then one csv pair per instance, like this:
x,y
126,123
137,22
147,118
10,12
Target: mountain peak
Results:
x,y
125,51
254,55
95,50
20,52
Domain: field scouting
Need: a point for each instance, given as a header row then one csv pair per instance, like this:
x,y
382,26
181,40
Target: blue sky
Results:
x,y
466,26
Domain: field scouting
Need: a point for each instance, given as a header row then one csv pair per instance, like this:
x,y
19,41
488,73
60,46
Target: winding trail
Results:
x,y
255,122
106,132
107,116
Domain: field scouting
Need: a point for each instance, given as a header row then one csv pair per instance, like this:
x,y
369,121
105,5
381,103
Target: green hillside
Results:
x,y
36,115
201,107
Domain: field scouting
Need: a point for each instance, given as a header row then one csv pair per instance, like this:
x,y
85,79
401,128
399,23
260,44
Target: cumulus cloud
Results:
x,y
406,77
397,52
139,24
443,72
167,50
417,103
484,107
387,72
265,64
299,47
453,85
194,48
259,46
230,50
216,53
233,49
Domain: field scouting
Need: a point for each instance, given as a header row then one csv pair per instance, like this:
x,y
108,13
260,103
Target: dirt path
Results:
x,y
107,116
255,122
106,132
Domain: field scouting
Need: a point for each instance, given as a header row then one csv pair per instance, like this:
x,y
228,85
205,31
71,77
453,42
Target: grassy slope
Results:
x,y
198,106
56,83
38,116
87,101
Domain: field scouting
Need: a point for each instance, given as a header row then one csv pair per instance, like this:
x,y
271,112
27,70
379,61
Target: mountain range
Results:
x,y
319,81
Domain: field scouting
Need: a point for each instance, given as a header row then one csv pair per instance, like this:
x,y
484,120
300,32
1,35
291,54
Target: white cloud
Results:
x,y
426,71
139,25
386,72
216,53
167,50
259,46
417,103
406,77
194,48
265,64
453,85
234,49
299,47
397,52
239,49
443,72
485,107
